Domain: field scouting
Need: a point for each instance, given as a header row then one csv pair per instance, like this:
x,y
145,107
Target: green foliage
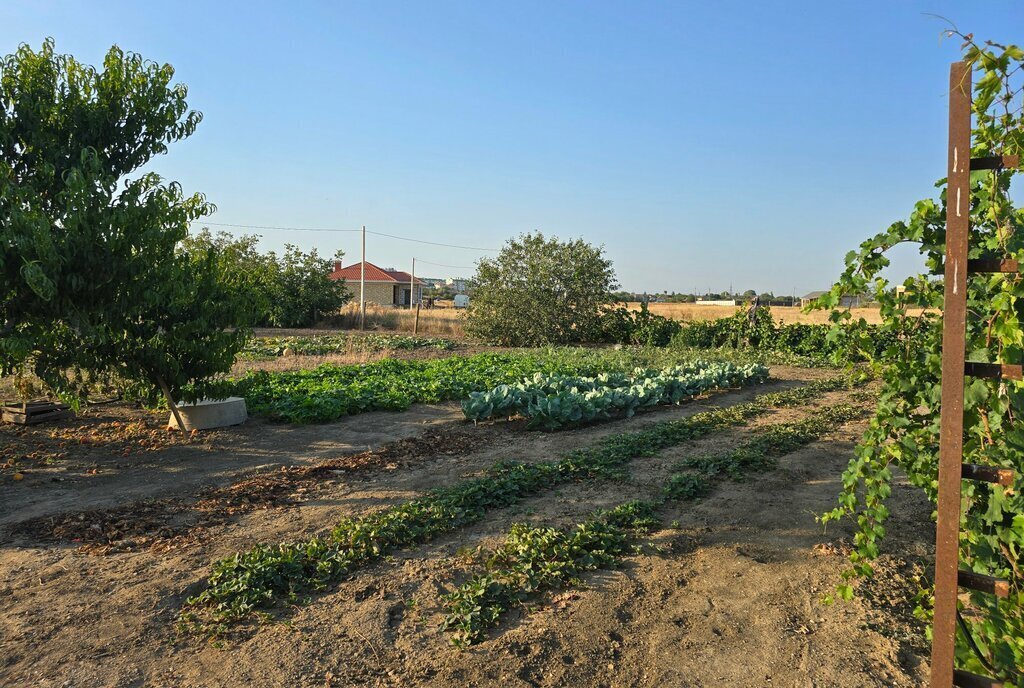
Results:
x,y
682,486
540,291
623,326
779,439
329,392
905,429
264,348
93,280
266,574
305,293
534,560
764,334
292,290
555,401
738,330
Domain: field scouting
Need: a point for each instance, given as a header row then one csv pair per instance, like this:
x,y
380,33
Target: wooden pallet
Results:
x,y
35,412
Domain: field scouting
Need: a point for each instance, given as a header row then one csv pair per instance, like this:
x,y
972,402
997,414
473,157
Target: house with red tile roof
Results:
x,y
385,287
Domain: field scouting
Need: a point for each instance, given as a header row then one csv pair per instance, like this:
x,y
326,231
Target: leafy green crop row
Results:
x,y
329,392
533,560
241,585
263,348
777,440
553,401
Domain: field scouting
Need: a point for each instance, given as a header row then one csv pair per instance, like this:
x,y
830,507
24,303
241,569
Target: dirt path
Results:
x,y
731,598
95,476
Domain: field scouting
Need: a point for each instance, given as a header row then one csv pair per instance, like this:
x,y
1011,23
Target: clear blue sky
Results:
x,y
703,143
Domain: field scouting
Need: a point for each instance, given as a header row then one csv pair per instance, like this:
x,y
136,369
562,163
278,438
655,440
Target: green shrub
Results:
x,y
540,290
763,333
623,326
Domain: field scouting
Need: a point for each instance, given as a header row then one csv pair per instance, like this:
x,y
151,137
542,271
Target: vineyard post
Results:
x,y
954,344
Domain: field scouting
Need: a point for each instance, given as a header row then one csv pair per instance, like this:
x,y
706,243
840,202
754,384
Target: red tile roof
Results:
x,y
373,274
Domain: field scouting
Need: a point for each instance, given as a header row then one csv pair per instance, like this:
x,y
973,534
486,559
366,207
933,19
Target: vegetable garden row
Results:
x,y
249,585
554,401
569,387
264,348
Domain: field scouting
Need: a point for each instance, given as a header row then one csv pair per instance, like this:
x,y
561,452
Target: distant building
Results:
x,y
384,287
456,284
848,301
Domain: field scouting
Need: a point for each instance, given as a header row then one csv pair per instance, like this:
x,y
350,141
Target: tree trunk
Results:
x,y
170,402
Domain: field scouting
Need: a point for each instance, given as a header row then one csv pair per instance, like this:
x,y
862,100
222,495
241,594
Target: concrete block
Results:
x,y
211,413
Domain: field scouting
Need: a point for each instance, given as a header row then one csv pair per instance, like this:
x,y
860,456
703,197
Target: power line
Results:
x,y
442,265
290,229
432,243
334,229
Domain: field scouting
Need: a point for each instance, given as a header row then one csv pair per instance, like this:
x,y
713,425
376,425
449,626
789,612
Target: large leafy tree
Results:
x,y
540,290
305,292
93,279
292,290
905,429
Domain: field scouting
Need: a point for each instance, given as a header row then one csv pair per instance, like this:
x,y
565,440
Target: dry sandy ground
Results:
x,y
730,597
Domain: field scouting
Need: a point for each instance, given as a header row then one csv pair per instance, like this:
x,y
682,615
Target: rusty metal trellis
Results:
x,y
948,576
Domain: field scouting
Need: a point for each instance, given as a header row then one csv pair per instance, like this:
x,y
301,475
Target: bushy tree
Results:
x,y
306,293
93,280
241,264
293,290
540,290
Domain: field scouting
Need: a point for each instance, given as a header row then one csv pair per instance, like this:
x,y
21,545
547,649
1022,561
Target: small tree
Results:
x,y
291,291
305,292
541,291
242,265
93,280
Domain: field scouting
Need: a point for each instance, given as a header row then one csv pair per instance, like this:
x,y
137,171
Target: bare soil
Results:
x,y
99,549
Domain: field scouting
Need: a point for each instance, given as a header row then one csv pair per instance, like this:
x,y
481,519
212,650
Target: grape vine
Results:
x,y
905,429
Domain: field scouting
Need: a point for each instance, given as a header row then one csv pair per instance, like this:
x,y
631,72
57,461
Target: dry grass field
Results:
x,y
448,322
433,321
788,314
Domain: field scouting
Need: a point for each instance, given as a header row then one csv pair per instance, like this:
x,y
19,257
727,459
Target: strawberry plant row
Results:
x,y
241,585
776,440
533,560
554,401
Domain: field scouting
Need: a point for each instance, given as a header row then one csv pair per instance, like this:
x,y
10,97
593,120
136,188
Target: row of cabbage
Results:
x,y
554,401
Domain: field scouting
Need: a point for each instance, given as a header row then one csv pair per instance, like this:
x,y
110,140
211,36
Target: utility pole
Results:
x,y
362,284
412,284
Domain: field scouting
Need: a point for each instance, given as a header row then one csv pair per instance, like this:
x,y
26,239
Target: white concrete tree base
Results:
x,y
211,413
